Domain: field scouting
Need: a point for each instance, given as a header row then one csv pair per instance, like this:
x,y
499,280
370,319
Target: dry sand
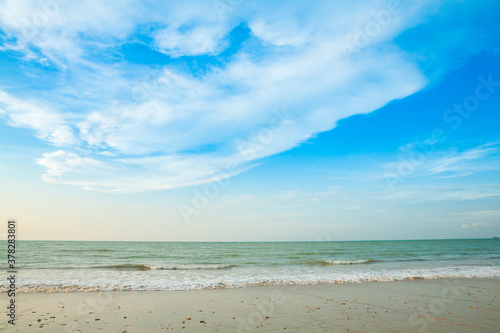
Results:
x,y
442,305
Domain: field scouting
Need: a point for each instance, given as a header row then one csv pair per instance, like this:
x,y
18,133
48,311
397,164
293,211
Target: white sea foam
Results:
x,y
70,281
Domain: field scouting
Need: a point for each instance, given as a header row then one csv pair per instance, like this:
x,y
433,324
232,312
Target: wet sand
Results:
x,y
442,305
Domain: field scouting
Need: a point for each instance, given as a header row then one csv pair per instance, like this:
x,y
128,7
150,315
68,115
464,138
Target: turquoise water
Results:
x,y
62,266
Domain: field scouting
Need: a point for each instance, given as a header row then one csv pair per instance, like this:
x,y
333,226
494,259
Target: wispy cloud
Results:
x,y
182,127
444,193
474,225
48,124
460,162
442,164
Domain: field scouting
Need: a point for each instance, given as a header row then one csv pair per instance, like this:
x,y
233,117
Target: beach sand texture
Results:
x,y
439,305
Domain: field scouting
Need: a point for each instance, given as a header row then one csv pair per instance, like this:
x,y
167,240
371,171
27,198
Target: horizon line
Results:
x,y
256,241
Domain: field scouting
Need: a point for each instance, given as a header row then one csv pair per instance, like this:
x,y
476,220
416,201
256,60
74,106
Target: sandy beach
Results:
x,y
441,305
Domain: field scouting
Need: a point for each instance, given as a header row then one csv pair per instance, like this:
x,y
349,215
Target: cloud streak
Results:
x,y
473,225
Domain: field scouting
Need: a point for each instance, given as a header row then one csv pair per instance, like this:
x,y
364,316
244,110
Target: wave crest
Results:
x,y
192,267
348,262
167,267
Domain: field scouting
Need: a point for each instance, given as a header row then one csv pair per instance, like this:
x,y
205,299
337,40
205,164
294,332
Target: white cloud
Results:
x,y
48,124
483,213
444,193
60,162
474,225
458,161
194,41
181,129
423,160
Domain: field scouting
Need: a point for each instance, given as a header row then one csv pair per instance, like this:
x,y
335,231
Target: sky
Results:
x,y
237,120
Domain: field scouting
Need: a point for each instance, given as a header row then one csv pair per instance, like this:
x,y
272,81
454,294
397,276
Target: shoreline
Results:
x,y
432,305
96,289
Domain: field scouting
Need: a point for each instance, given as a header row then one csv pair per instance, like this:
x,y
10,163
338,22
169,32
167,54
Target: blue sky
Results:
x,y
225,121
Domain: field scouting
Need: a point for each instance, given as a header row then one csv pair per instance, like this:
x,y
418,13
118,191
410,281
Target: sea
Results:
x,y
78,266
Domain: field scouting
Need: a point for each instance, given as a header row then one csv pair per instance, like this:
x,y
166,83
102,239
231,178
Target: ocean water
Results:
x,y
52,266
